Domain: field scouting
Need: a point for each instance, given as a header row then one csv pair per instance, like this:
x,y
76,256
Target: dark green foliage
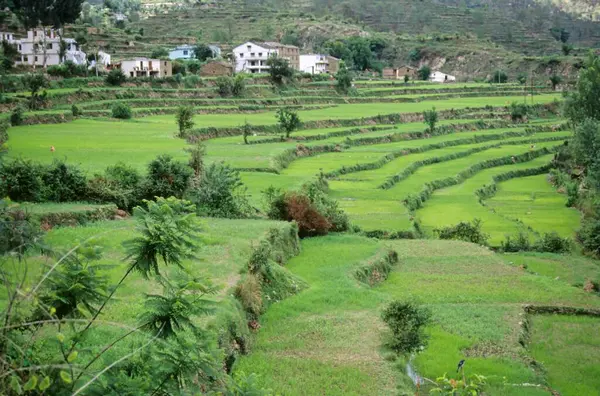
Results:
x,y
17,231
585,149
239,85
185,120
75,288
67,70
121,111
584,101
16,116
196,162
431,118
167,178
415,55
567,49
115,78
8,54
56,13
168,230
464,231
327,206
280,71
555,80
194,67
224,86
518,111
552,243
406,321
160,53
120,184
362,56
221,193
377,269
520,243
63,183
21,180
522,78
499,77
274,201
246,131
560,34
589,235
202,52
288,120
424,72
343,79
76,110
35,82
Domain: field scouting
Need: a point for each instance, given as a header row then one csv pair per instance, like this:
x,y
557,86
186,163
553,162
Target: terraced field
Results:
x,y
395,179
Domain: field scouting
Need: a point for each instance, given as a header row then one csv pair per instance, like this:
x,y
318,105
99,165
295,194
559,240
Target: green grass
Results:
x,y
52,207
568,347
534,201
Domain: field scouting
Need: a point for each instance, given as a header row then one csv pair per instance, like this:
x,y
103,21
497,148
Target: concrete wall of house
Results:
x,y
252,58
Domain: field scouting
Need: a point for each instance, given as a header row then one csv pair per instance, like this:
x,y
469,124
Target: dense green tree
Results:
x,y
35,82
424,72
430,117
280,71
499,77
362,56
288,120
184,119
584,101
56,13
555,80
202,52
343,79
160,53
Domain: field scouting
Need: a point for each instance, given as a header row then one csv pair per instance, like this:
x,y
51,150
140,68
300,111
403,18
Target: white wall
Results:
x,y
249,52
314,63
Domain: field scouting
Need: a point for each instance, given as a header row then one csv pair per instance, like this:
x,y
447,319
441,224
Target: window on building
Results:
x,y
260,54
49,46
253,54
252,63
185,52
165,64
25,59
241,55
35,59
20,47
249,47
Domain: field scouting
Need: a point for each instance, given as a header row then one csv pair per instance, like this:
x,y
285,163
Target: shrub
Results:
x,y
499,77
221,193
63,183
464,231
424,72
555,80
121,111
343,80
224,86
194,66
589,236
431,118
406,322
553,243
17,231
327,206
115,78
522,78
120,184
275,204
167,178
310,221
185,119
249,292
238,87
21,180
518,111
377,270
192,81
280,71
16,117
520,243
75,110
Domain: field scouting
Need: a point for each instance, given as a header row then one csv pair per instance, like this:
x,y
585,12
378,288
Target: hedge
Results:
x,y
377,268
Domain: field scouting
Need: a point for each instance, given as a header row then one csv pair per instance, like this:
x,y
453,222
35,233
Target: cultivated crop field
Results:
x,y
399,181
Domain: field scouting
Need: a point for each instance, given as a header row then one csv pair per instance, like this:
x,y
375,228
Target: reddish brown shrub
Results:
x,y
310,221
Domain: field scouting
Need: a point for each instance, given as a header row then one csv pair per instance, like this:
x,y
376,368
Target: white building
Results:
x,y
441,77
251,57
7,36
186,51
144,67
103,61
318,64
42,47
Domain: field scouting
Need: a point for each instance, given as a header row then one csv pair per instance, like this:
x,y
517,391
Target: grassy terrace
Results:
x,y
326,339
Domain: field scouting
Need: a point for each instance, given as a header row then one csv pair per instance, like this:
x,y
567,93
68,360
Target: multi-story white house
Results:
x,y
318,64
186,51
7,36
42,47
144,67
440,77
251,57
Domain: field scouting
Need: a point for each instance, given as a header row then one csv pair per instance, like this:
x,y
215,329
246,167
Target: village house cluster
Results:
x,y
47,47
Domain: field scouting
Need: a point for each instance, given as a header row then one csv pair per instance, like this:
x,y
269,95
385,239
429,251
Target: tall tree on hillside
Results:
x,y
584,101
280,70
202,52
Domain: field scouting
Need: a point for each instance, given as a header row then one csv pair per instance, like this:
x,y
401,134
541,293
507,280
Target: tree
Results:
x,y
362,56
167,178
239,85
288,120
194,66
555,80
424,72
431,118
406,79
522,78
343,79
406,322
34,83
196,162
185,119
584,101
55,13
246,131
115,78
160,53
499,77
567,49
586,149
280,70
202,52
8,55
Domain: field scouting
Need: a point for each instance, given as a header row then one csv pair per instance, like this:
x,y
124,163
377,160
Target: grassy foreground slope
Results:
x,y
327,339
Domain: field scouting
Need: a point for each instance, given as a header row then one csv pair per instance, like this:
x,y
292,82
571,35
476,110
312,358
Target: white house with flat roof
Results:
x,y
318,64
186,51
42,47
144,67
441,77
8,37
